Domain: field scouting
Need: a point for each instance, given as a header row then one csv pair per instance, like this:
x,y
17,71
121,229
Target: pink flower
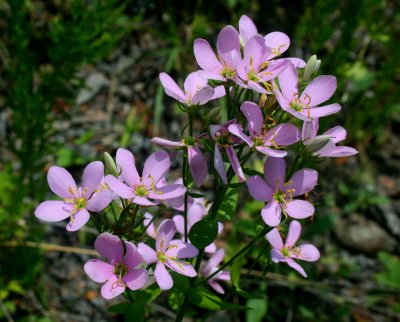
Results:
x,y
196,159
259,137
228,48
288,252
279,194
196,89
224,141
77,200
148,189
325,145
119,270
169,253
304,106
211,266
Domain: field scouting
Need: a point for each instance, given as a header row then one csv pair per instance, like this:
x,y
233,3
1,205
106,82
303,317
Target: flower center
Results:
x,y
162,258
121,269
285,252
189,141
223,140
80,203
280,196
228,72
141,191
252,76
296,105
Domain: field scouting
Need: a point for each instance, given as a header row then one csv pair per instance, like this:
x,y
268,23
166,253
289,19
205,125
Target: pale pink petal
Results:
x,y
307,252
163,278
110,247
118,187
126,161
98,270
235,163
156,167
327,148
320,89
136,279
167,143
274,69
288,82
271,152
255,119
278,41
257,87
61,182
224,276
181,267
247,28
283,134
293,234
195,213
99,201
78,220
180,249
205,56
296,267
237,130
92,176
258,189
296,62
112,288
171,88
303,181
212,75
275,239
338,134
341,151
197,164
274,172
219,92
218,288
179,223
277,256
149,255
299,209
193,82
210,248
53,210
202,96
227,42
310,129
132,256
272,213
254,52
166,231
324,110
219,164
170,191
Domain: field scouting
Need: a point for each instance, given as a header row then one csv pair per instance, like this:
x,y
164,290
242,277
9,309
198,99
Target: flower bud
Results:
x,y
317,65
110,166
310,67
317,143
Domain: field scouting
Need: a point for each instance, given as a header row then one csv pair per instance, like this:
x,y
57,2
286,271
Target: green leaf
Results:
x,y
229,204
258,309
135,312
119,308
204,299
204,232
236,270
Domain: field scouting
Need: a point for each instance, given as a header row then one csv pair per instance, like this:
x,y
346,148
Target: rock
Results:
x,y
93,84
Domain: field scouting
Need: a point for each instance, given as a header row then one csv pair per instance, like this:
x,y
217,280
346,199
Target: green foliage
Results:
x,y
203,298
390,276
204,232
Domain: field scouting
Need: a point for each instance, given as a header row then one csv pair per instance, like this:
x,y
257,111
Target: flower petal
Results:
x,y
288,82
119,188
205,56
296,267
202,96
293,234
156,167
255,119
78,220
278,42
126,161
218,288
60,181
197,164
166,143
275,239
341,151
308,252
149,255
132,257
180,249
92,176
110,247
324,110
277,256
237,130
163,278
303,181
170,191
112,288
254,52
338,134
271,152
299,209
219,164
247,28
181,267
193,82
258,189
98,270
310,129
99,201
272,213
136,279
320,89
283,134
235,163
274,172
171,88
53,210
166,231
228,43
219,92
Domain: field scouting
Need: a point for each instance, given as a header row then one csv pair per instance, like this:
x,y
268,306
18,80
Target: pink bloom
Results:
x,y
196,89
279,194
228,48
196,159
288,252
77,200
325,145
146,190
169,253
259,137
119,270
212,266
224,141
304,106
196,212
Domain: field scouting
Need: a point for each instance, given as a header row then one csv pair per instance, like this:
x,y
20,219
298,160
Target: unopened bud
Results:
x,y
317,143
263,100
317,66
110,166
310,67
213,114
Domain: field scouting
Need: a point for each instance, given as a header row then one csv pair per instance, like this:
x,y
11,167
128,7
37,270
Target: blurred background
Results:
x,y
80,77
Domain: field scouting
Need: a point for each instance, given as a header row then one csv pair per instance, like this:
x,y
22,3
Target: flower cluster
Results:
x,y
272,112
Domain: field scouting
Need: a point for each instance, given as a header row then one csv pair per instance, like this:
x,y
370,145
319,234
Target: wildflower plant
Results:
x,y
272,111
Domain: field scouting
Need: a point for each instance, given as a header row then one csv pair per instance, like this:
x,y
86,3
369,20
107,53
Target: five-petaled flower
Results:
x,y
119,270
169,253
279,194
77,200
288,252
211,266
